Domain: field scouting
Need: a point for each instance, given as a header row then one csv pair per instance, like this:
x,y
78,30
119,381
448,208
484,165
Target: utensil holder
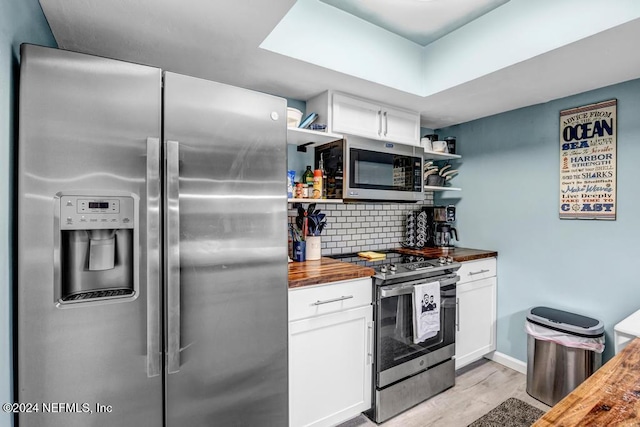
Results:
x,y
435,180
314,244
299,251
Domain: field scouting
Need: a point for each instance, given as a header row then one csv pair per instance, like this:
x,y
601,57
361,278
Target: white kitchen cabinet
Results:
x,y
400,126
330,352
476,311
347,114
356,117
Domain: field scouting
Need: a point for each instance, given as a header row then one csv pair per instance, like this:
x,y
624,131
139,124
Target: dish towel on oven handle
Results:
x,y
426,310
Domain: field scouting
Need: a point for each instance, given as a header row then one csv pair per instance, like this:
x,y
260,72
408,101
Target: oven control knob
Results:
x,y
442,260
449,260
383,269
392,267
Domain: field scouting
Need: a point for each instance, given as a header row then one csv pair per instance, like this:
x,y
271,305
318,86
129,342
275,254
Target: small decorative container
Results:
x,y
314,244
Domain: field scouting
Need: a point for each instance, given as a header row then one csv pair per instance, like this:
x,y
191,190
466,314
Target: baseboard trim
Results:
x,y
508,361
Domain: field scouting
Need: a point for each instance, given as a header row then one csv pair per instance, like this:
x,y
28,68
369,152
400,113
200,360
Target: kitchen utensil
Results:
x,y
372,256
318,126
293,117
435,180
313,248
308,120
444,168
445,234
451,144
430,172
439,146
299,251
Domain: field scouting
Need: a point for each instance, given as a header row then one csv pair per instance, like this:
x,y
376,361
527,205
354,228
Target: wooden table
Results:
x,y
608,398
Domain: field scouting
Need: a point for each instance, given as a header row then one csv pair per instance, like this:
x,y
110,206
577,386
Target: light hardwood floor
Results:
x,y
479,388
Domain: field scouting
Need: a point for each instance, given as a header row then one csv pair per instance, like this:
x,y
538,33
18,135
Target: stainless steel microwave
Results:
x,y
365,169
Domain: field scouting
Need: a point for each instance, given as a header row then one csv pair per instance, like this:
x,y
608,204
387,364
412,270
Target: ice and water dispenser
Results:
x,y
96,247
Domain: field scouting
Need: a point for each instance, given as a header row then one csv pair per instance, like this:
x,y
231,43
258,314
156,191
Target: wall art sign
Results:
x,y
588,161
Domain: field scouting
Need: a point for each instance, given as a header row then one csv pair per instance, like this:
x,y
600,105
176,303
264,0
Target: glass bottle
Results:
x,y
307,176
339,179
324,177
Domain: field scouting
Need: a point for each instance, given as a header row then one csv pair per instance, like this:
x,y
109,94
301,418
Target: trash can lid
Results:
x,y
564,321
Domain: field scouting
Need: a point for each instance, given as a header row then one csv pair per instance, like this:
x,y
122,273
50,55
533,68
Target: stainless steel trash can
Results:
x,y
555,369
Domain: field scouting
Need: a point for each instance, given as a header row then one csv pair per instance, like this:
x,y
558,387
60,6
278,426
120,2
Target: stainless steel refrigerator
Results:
x,y
152,250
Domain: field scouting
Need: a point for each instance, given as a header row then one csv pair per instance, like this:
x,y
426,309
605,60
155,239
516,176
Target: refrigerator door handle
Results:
x,y
172,251
154,351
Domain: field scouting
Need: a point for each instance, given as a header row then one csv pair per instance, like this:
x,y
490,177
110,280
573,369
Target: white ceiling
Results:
x,y
220,40
420,21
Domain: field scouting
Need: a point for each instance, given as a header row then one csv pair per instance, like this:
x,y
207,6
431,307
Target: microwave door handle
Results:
x,y
172,250
379,117
154,352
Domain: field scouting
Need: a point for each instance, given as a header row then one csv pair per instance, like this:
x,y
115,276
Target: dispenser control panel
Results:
x,y
98,206
83,212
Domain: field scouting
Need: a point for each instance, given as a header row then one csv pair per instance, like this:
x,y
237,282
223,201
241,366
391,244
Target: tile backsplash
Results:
x,y
353,227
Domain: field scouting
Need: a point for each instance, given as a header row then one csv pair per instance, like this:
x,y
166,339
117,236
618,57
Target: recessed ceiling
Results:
x,y
420,21
521,53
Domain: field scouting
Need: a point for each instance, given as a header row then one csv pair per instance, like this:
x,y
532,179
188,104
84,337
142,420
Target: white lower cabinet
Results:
x,y
476,311
330,356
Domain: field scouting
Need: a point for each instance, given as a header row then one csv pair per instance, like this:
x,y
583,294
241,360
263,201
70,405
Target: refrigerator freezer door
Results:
x,y
232,368
86,124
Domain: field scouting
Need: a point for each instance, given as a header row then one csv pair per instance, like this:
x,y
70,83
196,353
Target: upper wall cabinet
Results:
x,y
355,116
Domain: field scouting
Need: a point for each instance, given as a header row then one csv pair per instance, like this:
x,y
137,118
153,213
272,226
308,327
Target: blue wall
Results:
x,y
509,176
20,21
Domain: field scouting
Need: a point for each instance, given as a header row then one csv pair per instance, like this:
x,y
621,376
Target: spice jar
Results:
x,y
317,184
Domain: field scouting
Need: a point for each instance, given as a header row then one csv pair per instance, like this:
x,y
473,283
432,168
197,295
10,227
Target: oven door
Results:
x,y
397,356
381,170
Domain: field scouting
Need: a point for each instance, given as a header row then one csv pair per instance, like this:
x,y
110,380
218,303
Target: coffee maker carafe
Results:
x,y
440,221
445,234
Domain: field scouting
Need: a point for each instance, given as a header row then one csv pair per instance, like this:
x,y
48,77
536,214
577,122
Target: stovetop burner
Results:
x,y
397,265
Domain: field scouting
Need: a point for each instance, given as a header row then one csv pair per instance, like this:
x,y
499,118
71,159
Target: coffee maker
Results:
x,y
440,220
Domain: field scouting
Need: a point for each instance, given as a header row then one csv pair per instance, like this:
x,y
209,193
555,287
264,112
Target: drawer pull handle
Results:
x,y
327,301
473,273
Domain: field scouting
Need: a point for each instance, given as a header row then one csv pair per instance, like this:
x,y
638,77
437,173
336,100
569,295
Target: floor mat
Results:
x,y
510,413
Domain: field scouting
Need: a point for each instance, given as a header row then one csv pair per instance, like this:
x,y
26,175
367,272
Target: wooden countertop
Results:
x,y
458,254
328,270
324,270
610,397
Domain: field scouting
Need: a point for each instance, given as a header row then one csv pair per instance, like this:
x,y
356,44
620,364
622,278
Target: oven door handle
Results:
x,y
406,290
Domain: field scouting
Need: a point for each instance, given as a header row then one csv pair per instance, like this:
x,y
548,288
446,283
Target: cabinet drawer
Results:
x,y
476,270
329,298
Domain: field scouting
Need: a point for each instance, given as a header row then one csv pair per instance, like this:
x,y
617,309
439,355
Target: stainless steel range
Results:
x,y
406,373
